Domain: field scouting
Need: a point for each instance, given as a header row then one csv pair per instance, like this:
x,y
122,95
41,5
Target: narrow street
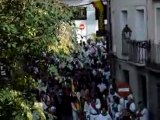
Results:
x,y
86,90
79,60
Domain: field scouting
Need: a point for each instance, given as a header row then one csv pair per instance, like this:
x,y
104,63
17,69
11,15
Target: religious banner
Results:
x,y
99,6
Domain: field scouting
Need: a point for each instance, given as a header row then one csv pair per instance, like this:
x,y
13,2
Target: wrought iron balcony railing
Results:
x,y
154,56
137,51
125,47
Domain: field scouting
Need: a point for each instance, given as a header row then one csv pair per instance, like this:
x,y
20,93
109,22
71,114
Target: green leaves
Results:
x,y
30,27
14,107
52,70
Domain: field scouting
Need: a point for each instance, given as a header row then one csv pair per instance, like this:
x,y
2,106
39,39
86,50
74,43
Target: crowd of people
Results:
x,y
86,90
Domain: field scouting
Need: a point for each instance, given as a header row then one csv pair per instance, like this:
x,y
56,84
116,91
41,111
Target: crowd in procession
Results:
x,y
86,90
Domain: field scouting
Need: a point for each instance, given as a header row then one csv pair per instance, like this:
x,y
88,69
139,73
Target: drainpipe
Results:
x,y
109,25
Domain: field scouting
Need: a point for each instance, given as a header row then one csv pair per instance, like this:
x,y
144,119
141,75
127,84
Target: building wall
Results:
x,y
130,6
151,19
153,78
122,66
154,103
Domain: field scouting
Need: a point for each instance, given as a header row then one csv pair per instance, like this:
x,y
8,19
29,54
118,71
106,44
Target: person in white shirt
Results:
x,y
116,108
131,104
104,115
94,108
110,99
106,73
122,102
87,109
142,112
101,87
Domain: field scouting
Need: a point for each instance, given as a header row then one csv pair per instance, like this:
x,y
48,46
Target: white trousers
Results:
x,y
93,117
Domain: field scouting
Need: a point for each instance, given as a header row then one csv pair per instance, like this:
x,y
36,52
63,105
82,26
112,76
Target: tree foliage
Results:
x,y
29,27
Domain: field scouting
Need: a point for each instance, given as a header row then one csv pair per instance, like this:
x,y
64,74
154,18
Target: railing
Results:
x,y
156,0
154,56
138,51
125,47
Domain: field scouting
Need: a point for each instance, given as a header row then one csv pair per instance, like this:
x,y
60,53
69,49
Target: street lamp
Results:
x,y
126,36
126,33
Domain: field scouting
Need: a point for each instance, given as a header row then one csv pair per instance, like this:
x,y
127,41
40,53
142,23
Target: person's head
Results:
x,y
93,100
84,86
112,91
130,97
96,95
116,100
78,95
89,41
104,111
84,43
104,96
52,109
88,99
81,43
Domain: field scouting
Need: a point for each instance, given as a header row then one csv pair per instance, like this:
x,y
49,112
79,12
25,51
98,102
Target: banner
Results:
x,y
98,4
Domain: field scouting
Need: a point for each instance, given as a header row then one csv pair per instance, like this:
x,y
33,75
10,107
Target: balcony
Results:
x,y
156,0
136,51
154,57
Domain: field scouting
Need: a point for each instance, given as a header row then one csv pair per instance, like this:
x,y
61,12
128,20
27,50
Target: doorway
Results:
x,y
126,76
143,86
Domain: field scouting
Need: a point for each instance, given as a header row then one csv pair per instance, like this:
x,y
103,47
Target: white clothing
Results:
x,y
98,103
110,101
132,107
122,102
101,87
93,113
130,96
99,44
144,113
44,106
110,97
93,117
117,114
92,110
78,95
125,103
94,72
98,106
101,117
86,108
107,75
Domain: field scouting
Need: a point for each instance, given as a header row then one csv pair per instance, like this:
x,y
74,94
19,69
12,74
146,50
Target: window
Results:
x,y
124,17
125,47
143,88
126,75
140,25
157,24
